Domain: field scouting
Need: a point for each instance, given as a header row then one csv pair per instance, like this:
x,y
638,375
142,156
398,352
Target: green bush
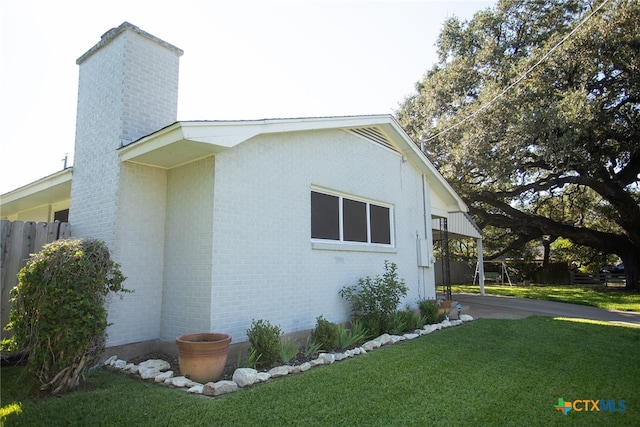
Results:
x,y
264,340
325,334
347,338
289,348
251,361
59,316
311,348
404,321
329,336
373,301
429,311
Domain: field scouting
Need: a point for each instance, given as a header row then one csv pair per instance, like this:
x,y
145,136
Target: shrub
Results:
x,y
403,321
59,316
325,334
264,340
428,311
251,361
289,348
375,300
347,338
311,348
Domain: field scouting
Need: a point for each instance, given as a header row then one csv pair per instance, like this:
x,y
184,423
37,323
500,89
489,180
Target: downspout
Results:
x,y
428,232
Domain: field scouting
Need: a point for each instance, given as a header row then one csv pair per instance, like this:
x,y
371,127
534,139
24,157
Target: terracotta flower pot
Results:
x,y
202,356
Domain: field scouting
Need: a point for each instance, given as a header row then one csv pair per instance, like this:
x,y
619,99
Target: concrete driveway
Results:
x,y
499,307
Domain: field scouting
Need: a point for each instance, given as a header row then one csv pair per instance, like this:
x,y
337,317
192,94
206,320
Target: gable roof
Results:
x,y
186,141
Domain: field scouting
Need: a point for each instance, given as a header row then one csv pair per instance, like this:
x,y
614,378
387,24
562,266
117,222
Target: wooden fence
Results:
x,y
18,240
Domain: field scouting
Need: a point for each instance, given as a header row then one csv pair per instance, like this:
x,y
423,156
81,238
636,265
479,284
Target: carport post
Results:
x,y
480,266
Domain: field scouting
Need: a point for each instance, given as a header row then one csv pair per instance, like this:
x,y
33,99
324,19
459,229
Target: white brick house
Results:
x,y
216,223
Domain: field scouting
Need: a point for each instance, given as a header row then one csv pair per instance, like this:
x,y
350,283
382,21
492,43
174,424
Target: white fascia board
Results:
x,y
43,184
222,135
230,133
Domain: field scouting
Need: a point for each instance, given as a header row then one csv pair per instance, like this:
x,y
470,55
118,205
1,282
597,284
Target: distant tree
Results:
x,y
533,114
582,258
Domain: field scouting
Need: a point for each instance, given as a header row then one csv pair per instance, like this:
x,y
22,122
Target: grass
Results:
x,y
487,372
592,295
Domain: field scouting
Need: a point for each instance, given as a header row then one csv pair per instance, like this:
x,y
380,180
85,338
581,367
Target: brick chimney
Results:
x,y
128,88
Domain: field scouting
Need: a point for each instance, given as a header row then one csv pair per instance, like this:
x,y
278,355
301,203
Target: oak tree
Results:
x,y
532,112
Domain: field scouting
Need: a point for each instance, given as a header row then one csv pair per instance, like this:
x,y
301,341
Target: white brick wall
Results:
x,y
141,226
186,304
263,263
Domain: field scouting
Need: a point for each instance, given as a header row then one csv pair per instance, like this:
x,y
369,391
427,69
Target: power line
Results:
x,y
522,77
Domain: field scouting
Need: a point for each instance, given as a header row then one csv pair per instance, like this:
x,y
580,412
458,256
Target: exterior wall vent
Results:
x,y
374,135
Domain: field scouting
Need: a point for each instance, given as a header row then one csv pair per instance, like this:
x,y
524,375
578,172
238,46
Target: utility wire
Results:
x,y
522,77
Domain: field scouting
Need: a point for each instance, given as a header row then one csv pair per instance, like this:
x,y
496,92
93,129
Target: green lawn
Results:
x,y
487,372
593,295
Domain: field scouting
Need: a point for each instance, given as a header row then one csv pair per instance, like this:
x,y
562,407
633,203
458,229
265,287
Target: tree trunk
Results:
x,y
631,270
546,244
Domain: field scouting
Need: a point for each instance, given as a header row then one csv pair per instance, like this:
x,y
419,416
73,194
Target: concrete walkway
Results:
x,y
499,307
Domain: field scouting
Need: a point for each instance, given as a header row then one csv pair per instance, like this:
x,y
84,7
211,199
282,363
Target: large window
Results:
x,y
340,218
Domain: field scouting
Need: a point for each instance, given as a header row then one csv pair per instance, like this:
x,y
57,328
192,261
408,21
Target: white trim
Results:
x,y
334,245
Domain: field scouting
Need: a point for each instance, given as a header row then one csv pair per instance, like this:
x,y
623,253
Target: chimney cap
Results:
x,y
115,32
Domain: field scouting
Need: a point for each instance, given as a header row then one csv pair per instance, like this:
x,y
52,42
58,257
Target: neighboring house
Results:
x,y
44,200
216,223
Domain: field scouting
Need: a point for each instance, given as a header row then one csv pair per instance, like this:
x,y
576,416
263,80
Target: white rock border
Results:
x,y
158,370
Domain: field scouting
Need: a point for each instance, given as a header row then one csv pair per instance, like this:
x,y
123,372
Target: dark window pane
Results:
x,y
355,220
380,226
325,217
62,216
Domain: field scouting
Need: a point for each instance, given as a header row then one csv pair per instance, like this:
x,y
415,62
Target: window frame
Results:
x,y
341,243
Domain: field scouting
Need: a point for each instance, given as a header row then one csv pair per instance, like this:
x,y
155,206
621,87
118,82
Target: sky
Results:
x,y
243,59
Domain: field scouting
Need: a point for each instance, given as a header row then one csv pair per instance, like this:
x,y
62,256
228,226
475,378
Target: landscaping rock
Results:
x,y
316,362
305,366
120,364
180,382
263,376
196,389
411,336
159,364
428,328
394,339
245,376
327,358
218,388
110,360
340,356
383,339
160,378
149,373
278,371
372,345
466,318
